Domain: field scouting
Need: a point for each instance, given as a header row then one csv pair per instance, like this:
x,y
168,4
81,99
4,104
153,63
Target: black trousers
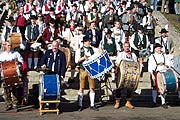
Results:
x,y
118,93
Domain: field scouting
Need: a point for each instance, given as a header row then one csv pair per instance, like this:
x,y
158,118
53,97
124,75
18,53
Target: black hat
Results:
x,y
150,10
86,38
140,27
163,30
124,3
33,17
51,9
157,45
109,31
94,7
74,5
52,21
129,8
136,3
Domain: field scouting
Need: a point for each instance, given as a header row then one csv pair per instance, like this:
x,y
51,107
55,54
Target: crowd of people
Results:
x,y
124,28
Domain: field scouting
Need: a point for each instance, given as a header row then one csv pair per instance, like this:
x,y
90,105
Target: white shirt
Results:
x,y
12,55
164,43
86,52
160,58
125,56
54,61
148,19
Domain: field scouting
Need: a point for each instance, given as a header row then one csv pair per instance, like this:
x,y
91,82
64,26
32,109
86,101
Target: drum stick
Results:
x,y
175,70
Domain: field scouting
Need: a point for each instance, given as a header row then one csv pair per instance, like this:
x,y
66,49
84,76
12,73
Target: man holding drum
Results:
x,y
157,62
10,92
83,54
126,55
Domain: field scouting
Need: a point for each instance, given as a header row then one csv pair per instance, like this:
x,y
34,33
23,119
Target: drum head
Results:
x,y
128,75
50,87
160,83
99,65
171,80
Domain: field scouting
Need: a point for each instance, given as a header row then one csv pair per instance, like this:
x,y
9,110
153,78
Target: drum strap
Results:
x,y
157,63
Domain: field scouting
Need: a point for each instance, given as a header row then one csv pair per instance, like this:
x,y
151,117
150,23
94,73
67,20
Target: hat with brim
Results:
x,y
52,21
51,9
140,27
74,5
33,17
150,10
136,3
109,31
157,45
163,30
129,8
86,38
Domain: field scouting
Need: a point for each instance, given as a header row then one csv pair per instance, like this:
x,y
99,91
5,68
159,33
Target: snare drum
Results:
x,y
98,64
16,40
35,47
10,73
166,81
50,87
128,75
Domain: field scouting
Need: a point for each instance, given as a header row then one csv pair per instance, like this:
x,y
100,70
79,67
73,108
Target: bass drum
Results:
x,y
50,87
128,75
16,40
10,73
166,81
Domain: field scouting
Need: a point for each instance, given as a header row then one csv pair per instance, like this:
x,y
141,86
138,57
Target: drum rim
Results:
x,y
158,83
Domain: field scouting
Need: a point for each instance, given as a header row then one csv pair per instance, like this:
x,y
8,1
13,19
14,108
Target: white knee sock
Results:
x,y
80,99
35,62
92,97
162,99
154,95
29,62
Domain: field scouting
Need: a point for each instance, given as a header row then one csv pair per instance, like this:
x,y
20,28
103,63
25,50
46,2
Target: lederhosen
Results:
x,y
83,75
153,82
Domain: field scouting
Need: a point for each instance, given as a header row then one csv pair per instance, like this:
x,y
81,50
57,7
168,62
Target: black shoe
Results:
x,y
165,106
9,108
80,108
154,104
94,108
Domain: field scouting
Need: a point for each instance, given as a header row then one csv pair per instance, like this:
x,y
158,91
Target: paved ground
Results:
x,y
106,113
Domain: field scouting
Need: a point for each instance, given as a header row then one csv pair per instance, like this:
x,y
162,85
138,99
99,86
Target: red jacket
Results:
x,y
47,34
